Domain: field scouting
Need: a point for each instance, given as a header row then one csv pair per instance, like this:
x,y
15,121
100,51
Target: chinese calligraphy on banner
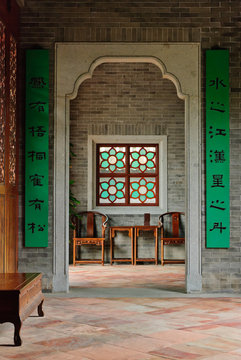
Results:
x,y
217,149
36,148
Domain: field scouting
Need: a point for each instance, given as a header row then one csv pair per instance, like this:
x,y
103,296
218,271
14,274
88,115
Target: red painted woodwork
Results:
x,y
81,238
20,295
113,231
144,228
126,173
171,237
9,16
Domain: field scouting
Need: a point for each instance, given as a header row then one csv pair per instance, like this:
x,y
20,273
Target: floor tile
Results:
x,y
129,327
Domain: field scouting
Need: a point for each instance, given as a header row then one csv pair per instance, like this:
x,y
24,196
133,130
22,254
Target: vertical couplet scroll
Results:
x,y
36,148
217,149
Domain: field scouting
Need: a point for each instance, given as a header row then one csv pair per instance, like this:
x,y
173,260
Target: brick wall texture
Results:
x,y
212,23
129,99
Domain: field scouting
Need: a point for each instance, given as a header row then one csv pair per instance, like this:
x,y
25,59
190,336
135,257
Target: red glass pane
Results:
x,y
2,101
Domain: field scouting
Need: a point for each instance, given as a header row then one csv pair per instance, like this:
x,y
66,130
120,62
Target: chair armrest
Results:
x,y
160,223
106,221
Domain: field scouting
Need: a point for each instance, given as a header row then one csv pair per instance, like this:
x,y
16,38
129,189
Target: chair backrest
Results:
x,y
170,223
86,223
147,218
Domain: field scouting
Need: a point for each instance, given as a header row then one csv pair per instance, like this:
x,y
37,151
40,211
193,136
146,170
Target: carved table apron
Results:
x,y
20,295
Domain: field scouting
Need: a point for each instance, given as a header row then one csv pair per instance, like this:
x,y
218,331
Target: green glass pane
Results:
x,y
150,155
112,167
112,198
135,155
135,194
119,194
143,152
112,152
105,164
104,195
104,185
120,164
104,155
150,194
112,182
150,185
143,197
150,164
135,185
120,155
119,185
143,182
135,164
143,167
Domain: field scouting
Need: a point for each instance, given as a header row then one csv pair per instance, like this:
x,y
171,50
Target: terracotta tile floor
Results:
x,y
142,327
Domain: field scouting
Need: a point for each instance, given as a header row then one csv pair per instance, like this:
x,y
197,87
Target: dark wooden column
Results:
x,y
9,29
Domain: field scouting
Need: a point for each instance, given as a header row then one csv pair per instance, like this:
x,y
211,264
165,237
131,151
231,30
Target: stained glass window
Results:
x,y
2,101
127,175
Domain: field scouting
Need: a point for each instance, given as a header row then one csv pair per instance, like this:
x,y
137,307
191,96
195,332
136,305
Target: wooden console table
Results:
x,y
20,295
144,228
113,230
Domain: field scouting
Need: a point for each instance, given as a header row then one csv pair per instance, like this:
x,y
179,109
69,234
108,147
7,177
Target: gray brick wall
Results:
x,y
129,99
213,23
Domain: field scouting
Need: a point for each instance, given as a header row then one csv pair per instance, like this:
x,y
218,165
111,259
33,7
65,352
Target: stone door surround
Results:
x,y
178,62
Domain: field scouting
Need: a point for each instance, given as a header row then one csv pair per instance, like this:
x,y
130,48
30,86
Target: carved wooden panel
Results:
x,y
12,110
9,22
11,233
2,232
2,101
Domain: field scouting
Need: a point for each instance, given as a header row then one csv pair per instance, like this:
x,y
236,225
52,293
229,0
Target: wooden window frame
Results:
x,y
127,175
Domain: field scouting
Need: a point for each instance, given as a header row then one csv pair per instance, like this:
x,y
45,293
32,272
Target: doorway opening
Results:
x,y
129,103
180,63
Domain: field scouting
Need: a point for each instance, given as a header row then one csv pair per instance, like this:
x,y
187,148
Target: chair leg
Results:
x,y
132,247
156,247
74,253
103,252
162,253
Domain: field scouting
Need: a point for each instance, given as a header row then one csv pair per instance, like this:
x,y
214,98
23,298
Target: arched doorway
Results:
x,y
75,62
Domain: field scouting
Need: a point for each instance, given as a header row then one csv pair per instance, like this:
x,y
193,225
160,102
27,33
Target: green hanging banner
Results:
x,y
36,148
217,149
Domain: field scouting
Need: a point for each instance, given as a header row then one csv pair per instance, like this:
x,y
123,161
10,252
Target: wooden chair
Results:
x,y
170,225
85,233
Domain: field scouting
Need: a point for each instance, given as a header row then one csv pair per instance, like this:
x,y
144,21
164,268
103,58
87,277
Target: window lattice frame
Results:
x,y
127,175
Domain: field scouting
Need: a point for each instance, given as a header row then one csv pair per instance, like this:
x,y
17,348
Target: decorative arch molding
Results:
x,y
125,59
75,63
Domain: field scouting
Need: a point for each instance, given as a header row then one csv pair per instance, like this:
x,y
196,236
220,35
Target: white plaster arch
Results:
x,y
125,59
178,62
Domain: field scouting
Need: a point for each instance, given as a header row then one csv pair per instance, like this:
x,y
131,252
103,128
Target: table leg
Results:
x,y
132,247
135,246
40,309
17,327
